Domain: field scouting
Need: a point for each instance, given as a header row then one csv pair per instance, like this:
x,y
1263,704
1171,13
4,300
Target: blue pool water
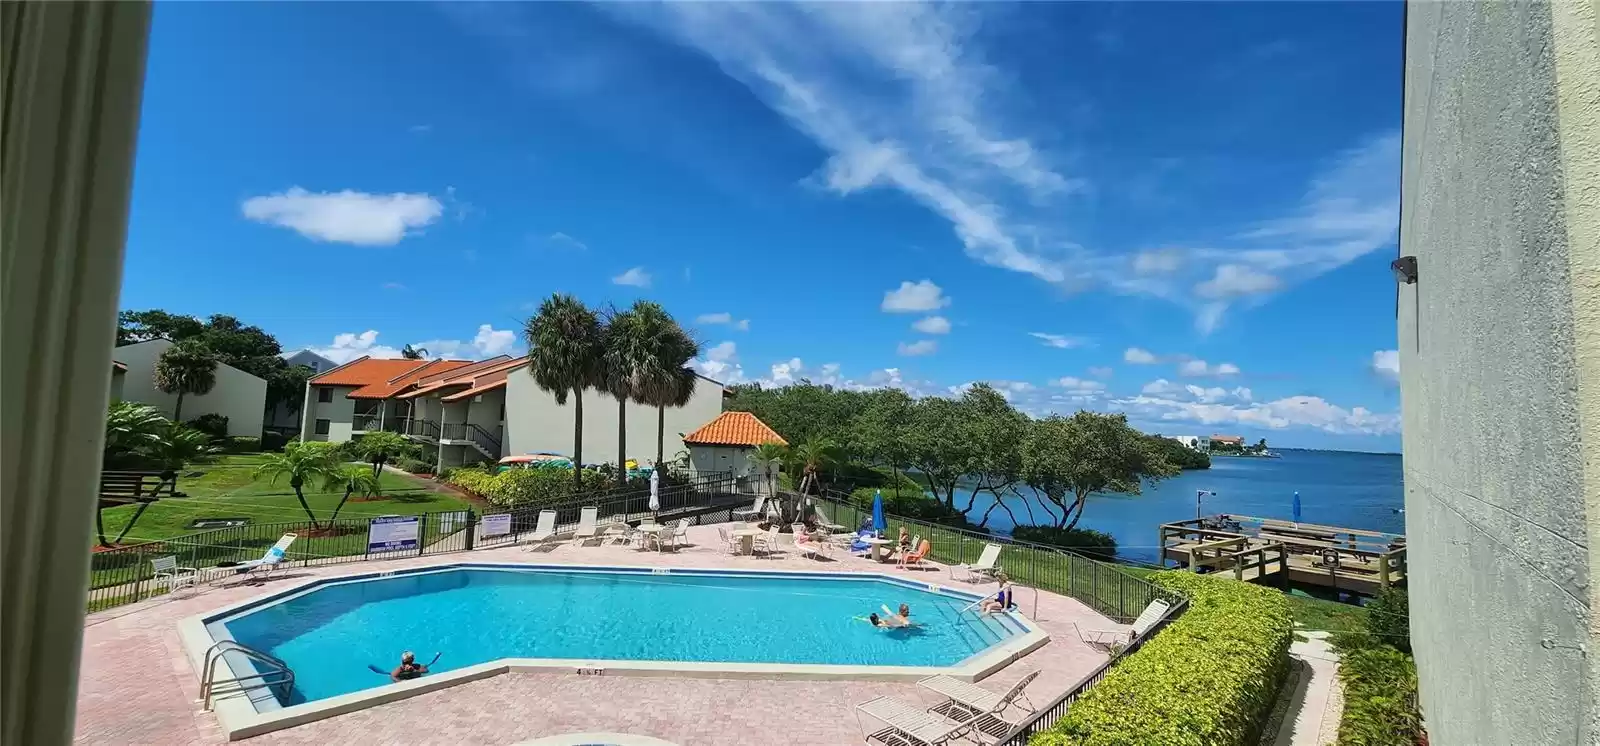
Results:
x,y
329,635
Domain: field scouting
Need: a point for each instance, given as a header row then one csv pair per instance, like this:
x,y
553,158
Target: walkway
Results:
x,y
159,705
1315,696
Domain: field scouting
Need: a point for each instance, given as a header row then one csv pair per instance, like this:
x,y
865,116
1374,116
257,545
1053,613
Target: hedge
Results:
x,y
522,487
1209,679
1085,541
1380,686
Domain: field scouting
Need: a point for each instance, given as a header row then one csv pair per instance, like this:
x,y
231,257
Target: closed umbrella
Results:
x,y
655,491
1297,507
878,523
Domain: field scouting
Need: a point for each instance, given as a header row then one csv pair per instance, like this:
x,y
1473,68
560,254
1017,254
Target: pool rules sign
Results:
x,y
394,533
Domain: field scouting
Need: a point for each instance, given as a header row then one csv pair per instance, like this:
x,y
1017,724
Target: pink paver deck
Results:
x,y
136,687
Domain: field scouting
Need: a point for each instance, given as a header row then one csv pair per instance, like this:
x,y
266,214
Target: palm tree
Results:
x,y
624,361
565,350
662,373
382,447
132,431
182,445
812,457
413,353
302,463
765,457
185,368
357,479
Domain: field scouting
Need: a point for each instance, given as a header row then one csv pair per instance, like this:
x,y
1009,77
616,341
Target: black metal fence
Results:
x,y
125,575
1047,716
1104,587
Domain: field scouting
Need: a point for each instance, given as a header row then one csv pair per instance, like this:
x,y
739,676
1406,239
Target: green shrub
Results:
x,y
1380,689
1086,541
212,424
242,444
413,466
525,487
912,502
273,441
1389,619
1209,679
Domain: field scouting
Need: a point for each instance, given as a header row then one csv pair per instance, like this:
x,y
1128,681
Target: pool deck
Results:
x,y
136,686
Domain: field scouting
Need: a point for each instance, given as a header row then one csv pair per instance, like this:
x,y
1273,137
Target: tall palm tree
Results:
x,y
413,353
302,463
663,375
132,432
565,352
813,457
766,456
626,356
356,479
185,368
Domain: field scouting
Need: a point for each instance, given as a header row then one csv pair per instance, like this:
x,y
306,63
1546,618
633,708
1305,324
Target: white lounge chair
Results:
x,y
756,510
1109,637
824,521
167,572
269,562
977,706
908,721
543,532
588,524
803,543
985,567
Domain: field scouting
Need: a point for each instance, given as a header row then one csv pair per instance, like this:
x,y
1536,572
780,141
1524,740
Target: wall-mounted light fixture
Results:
x,y
1405,270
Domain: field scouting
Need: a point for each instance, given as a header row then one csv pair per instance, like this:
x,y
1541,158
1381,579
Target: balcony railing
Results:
x,y
427,429
461,431
365,422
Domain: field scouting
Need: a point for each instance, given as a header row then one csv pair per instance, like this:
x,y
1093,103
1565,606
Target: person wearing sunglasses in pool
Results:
x,y
408,669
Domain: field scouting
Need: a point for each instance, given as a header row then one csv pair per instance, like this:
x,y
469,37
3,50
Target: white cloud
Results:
x,y
1200,368
915,297
743,325
346,217
1138,356
932,325
714,318
635,277
561,239
1236,280
1386,363
787,372
1071,383
420,129
1100,372
920,347
725,351
351,345
1294,411
721,363
488,342
1161,387
393,286
1060,341
1158,261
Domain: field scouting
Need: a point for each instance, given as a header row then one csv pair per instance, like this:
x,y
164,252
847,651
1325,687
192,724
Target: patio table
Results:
x,y
653,532
877,545
747,539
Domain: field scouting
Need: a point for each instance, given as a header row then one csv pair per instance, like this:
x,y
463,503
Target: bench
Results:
x,y
126,487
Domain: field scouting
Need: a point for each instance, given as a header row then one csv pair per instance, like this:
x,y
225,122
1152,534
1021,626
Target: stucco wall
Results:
x,y
534,422
1496,509
239,396
338,412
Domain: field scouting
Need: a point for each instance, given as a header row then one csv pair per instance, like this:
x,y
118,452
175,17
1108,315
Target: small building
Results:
x,y
1200,443
119,379
726,444
285,415
1237,441
237,395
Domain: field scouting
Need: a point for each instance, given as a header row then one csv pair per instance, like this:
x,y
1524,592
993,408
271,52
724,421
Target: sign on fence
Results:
x,y
498,524
393,533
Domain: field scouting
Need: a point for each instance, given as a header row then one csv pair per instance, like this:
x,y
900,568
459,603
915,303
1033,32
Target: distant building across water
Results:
x,y
1197,442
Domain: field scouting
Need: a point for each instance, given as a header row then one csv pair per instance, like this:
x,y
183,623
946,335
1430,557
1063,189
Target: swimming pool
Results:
x,y
330,632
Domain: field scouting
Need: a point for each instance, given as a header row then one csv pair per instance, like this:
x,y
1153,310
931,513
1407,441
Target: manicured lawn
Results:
x,y
230,489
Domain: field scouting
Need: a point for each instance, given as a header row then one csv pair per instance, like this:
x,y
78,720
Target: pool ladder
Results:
x,y
271,671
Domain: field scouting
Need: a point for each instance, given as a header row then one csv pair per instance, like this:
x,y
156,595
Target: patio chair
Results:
x,y
977,706
167,572
915,557
544,532
587,525
803,543
680,533
756,510
908,722
985,567
728,542
824,521
767,543
1109,637
269,562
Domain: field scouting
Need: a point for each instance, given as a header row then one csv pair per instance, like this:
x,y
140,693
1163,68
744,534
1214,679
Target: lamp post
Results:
x,y
1200,494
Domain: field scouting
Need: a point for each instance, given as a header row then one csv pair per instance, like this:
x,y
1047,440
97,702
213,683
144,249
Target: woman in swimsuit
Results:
x,y
409,668
1002,599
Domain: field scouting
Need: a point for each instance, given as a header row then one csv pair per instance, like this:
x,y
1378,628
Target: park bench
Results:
x,y
119,488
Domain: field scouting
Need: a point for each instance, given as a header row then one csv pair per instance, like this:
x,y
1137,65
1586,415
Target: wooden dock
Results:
x,y
1282,552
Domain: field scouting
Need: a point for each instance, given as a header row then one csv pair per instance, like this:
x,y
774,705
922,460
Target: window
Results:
x,y
322,427
324,395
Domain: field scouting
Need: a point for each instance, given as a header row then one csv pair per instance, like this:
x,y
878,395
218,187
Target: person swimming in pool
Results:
x,y
1002,599
408,669
873,617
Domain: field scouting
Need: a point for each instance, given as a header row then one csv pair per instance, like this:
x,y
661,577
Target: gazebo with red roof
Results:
x,y
726,443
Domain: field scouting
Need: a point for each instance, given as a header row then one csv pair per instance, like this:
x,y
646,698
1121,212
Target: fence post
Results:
x,y
472,527
422,534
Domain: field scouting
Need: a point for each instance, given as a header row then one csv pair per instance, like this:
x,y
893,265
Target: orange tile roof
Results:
x,y
735,429
477,388
450,375
405,380
365,371
473,376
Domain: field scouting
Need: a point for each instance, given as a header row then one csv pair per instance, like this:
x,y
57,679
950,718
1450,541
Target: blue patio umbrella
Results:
x,y
1297,507
878,523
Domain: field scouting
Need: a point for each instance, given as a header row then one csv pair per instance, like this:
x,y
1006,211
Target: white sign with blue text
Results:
x,y
498,524
393,533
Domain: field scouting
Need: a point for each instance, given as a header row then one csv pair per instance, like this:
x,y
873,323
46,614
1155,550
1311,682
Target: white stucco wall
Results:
x,y
338,412
1500,366
534,422
118,380
239,396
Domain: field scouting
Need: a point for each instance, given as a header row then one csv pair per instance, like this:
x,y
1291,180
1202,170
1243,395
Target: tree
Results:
x,y
1261,446
627,363
938,447
995,431
879,431
413,353
765,456
565,351
1067,459
379,448
132,432
143,326
810,459
662,375
185,368
183,445
303,463
357,479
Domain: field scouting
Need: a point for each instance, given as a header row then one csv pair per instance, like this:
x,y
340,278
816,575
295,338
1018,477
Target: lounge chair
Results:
x,y
543,532
824,521
756,510
1108,637
985,567
977,706
167,572
587,525
803,543
908,722
915,557
269,562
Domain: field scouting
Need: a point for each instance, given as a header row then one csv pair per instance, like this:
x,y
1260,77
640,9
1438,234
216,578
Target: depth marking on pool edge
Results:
x,y
591,672
659,571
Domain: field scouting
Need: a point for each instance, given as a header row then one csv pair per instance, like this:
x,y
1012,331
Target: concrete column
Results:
x,y
70,85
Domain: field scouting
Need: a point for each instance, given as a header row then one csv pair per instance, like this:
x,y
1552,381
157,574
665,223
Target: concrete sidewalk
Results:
x,y
1314,697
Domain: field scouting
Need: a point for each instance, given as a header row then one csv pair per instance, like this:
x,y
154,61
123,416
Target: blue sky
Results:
x,y
1180,211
